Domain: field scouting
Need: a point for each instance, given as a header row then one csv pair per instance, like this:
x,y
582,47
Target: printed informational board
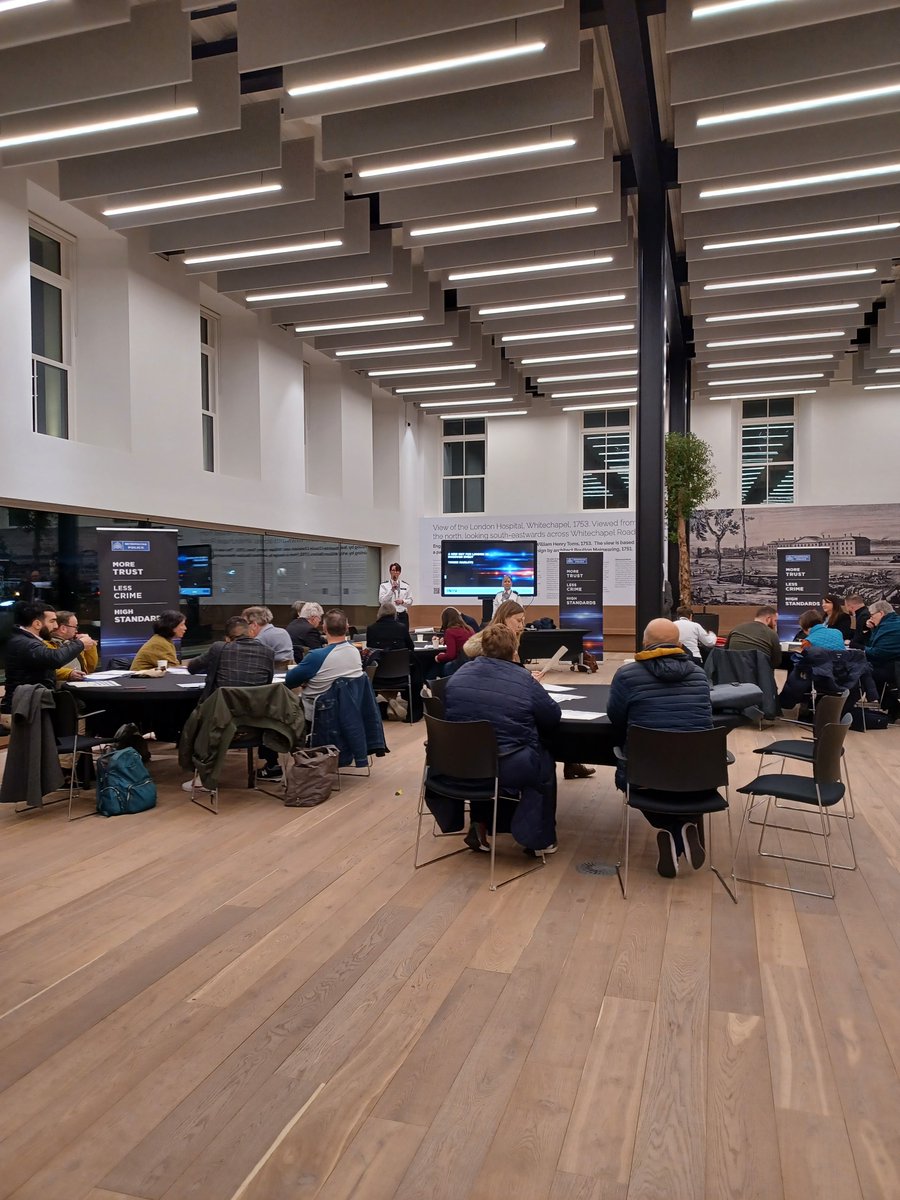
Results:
x,y
802,584
581,597
138,571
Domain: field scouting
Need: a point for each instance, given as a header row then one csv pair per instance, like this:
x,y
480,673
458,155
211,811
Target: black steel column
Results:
x,y
679,422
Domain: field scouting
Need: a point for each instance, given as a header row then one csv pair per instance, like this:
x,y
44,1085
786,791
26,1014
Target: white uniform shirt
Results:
x,y
502,596
692,636
398,594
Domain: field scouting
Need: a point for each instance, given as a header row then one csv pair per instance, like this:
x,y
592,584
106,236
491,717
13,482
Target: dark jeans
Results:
x,y
886,673
674,824
269,757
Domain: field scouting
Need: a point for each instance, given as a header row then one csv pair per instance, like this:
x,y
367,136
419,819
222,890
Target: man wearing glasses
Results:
x,y
66,629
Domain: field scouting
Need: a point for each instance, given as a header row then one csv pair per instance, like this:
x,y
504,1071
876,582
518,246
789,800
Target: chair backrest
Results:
x,y
119,664
828,710
433,706
65,714
371,671
707,621
684,761
461,749
392,664
827,752
438,687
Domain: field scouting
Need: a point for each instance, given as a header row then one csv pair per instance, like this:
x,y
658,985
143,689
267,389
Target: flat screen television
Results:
x,y
476,566
195,570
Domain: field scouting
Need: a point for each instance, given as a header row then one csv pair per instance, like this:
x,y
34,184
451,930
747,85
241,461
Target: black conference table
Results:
x,y
162,705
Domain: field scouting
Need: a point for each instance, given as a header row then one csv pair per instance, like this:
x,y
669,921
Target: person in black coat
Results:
x,y
304,630
28,660
663,689
386,632
837,617
859,611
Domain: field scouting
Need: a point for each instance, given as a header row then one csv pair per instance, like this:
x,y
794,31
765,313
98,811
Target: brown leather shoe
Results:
x,y
577,771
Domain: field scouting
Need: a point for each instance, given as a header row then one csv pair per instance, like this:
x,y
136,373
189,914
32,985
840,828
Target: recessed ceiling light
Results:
x,y
768,395
518,412
799,181
184,201
881,387
791,106
443,387
528,268
422,68
545,335
67,131
263,252
764,379
455,160
9,5
398,348
580,210
461,403
622,391
361,324
542,306
591,375
822,335
813,235
808,277
305,293
769,314
887,371
723,7
599,407
766,362
421,370
561,358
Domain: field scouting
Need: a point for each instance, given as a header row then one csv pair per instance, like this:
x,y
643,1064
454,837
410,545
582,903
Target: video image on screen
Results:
x,y
195,570
476,567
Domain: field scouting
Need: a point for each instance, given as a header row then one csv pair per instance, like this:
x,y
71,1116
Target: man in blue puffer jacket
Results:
x,y
663,689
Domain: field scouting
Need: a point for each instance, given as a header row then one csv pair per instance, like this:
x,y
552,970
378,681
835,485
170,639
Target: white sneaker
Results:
x,y
193,785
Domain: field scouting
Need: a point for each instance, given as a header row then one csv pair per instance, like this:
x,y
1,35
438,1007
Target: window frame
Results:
x,y
465,439
586,432
209,411
764,422
64,282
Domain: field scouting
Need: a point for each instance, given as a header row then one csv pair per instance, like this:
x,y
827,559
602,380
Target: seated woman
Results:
x,y
454,634
814,633
171,625
494,688
836,616
386,632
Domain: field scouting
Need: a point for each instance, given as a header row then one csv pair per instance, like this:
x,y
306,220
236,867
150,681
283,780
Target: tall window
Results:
x,y
51,330
464,459
209,338
767,452
606,459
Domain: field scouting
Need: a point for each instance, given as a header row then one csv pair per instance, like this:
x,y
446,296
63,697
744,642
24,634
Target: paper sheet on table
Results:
x,y
109,674
550,664
556,687
562,699
198,683
90,682
569,715
178,670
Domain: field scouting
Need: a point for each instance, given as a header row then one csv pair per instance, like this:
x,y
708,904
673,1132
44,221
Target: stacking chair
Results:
x,y
394,674
461,769
692,762
434,704
820,792
66,717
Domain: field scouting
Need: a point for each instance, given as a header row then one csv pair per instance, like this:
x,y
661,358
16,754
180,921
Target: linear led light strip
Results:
x,y
765,379
781,239
67,131
361,324
774,185
887,370
561,358
545,335
422,370
305,293
809,277
455,160
444,387
263,252
577,301
881,387
462,403
729,6
767,362
768,395
821,335
422,68
579,210
769,314
599,407
582,378
792,106
401,347
528,268
896,350
200,198
517,412
627,391
9,5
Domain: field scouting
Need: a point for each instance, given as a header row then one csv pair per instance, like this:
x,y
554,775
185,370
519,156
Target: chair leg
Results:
x,y
732,891
421,815
624,836
212,805
73,774
518,875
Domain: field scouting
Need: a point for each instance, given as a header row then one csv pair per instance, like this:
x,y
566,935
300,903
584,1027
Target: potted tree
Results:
x,y
690,483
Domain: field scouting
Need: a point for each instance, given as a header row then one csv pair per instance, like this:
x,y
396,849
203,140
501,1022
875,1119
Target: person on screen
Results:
x,y
397,592
170,626
506,593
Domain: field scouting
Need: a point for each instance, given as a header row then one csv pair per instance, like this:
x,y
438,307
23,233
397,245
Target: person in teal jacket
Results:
x,y
883,652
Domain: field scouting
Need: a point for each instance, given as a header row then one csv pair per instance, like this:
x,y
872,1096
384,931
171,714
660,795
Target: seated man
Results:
x,y
259,620
859,612
663,689
88,658
28,658
387,632
691,634
883,651
304,631
337,659
759,634
239,661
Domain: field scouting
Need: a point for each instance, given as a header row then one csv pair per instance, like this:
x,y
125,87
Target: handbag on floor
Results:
x,y
311,777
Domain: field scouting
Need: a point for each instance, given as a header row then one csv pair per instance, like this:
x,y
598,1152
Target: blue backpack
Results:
x,y
123,784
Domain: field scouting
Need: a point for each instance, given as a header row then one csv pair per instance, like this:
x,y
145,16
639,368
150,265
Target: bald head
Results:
x,y
661,633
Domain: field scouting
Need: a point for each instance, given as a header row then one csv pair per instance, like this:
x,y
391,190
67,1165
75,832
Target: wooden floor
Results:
x,y
272,1004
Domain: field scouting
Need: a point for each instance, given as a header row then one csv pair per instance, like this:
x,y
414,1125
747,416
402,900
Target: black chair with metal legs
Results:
x,y
434,704
394,674
821,792
461,769
693,763
66,717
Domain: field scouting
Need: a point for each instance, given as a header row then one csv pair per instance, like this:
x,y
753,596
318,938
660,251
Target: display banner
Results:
x,y
138,571
802,584
581,597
